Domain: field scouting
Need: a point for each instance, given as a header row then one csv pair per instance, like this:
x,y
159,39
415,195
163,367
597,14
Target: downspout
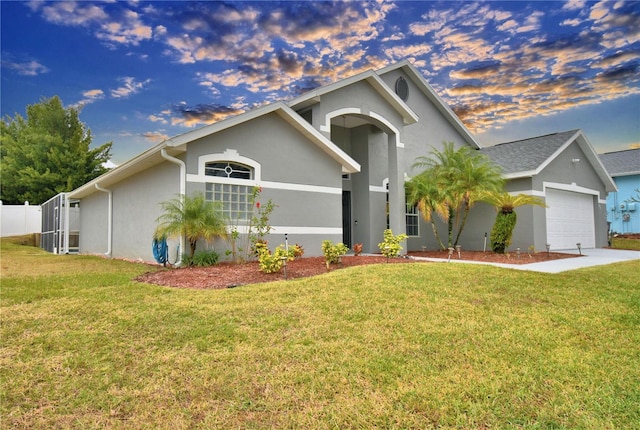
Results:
x,y
183,192
109,218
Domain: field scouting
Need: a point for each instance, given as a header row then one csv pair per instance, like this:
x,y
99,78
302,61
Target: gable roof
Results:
x,y
312,97
622,163
178,145
528,157
419,80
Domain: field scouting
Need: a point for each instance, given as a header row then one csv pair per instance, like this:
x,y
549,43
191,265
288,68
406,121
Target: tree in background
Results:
x,y
505,222
46,154
451,183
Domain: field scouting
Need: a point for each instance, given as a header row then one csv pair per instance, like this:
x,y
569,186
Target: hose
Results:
x,y
160,250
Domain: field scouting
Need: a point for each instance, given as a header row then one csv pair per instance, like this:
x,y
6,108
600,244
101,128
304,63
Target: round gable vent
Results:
x,y
402,89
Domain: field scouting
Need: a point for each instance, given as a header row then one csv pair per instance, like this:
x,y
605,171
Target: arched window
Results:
x,y
234,196
228,169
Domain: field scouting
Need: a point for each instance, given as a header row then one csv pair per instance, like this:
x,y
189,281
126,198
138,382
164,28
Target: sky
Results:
x,y
144,71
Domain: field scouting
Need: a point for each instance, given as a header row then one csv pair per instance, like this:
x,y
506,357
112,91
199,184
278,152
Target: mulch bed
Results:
x,y
229,275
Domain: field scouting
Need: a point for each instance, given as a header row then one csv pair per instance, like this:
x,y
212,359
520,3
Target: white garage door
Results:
x,y
570,220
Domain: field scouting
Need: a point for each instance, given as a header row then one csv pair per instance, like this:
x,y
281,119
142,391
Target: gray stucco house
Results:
x,y
334,161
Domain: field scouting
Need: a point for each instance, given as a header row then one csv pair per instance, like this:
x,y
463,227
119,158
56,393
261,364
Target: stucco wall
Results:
x,y
136,205
303,181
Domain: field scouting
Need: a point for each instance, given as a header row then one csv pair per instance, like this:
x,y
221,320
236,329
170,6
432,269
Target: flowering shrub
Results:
x,y
357,249
390,246
298,250
332,252
243,247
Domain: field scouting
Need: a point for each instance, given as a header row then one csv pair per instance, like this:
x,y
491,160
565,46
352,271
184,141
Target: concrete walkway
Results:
x,y
590,257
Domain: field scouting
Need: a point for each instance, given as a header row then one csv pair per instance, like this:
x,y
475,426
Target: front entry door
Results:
x,y
346,218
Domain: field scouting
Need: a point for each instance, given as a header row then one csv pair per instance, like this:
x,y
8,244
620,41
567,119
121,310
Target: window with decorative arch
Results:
x,y
228,188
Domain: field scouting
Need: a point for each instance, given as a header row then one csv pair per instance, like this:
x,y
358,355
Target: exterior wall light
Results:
x,y
575,160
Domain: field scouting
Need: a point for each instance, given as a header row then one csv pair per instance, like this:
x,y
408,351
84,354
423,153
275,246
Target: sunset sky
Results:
x,y
145,71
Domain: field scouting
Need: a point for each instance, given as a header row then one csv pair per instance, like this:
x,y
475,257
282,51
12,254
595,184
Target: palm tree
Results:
x,y
505,222
193,217
422,191
459,177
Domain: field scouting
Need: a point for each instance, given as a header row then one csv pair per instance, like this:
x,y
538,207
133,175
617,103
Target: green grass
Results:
x,y
624,243
390,346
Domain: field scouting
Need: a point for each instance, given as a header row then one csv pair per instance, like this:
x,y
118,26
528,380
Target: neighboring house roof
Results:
x,y
528,157
419,80
178,144
622,163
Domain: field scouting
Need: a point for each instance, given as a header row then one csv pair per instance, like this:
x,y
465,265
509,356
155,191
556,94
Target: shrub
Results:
x,y
205,258
502,231
357,249
390,246
332,252
298,250
273,262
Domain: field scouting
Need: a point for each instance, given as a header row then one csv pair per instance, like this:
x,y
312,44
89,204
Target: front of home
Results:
x,y
334,162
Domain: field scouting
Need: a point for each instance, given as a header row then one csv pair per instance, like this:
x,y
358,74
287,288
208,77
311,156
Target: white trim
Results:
x,y
377,189
388,124
265,184
326,127
569,187
228,155
573,187
297,230
562,187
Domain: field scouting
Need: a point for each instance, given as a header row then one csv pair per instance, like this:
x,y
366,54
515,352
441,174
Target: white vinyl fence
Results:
x,y
18,220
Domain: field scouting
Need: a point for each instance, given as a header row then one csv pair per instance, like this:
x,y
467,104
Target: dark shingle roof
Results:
x,y
528,154
622,163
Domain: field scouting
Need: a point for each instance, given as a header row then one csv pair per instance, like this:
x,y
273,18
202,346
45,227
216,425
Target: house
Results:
x,y
564,170
623,214
334,161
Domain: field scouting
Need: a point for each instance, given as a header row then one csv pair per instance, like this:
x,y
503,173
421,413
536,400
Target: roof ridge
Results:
x,y
535,137
622,150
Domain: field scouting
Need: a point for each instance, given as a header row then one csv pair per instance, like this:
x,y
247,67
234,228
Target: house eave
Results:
x,y
428,91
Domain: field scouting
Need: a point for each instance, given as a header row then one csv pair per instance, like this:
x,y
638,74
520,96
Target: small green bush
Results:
x,y
502,231
332,252
390,246
205,258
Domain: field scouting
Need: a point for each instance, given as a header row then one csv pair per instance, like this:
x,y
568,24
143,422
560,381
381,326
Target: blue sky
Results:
x,y
145,71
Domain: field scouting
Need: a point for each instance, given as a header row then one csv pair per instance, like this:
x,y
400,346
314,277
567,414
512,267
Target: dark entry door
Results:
x,y
346,218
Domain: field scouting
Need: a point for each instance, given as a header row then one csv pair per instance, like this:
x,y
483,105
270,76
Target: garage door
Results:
x,y
570,220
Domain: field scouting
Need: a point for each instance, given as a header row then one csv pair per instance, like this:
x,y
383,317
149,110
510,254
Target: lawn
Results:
x,y
386,346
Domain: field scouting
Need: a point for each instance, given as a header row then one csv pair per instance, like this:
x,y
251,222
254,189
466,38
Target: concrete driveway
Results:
x,y
590,257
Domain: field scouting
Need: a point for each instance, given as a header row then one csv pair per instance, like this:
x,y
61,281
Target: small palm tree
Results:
x,y
193,217
422,192
458,178
505,222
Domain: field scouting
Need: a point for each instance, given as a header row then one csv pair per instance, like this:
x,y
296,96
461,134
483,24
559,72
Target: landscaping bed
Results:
x,y
227,275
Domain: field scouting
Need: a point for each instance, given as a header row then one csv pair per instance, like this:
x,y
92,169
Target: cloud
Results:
x,y
130,86
124,26
69,13
191,116
91,96
25,67
127,29
155,136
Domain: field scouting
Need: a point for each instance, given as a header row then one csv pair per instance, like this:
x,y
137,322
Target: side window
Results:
x,y
235,198
412,220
